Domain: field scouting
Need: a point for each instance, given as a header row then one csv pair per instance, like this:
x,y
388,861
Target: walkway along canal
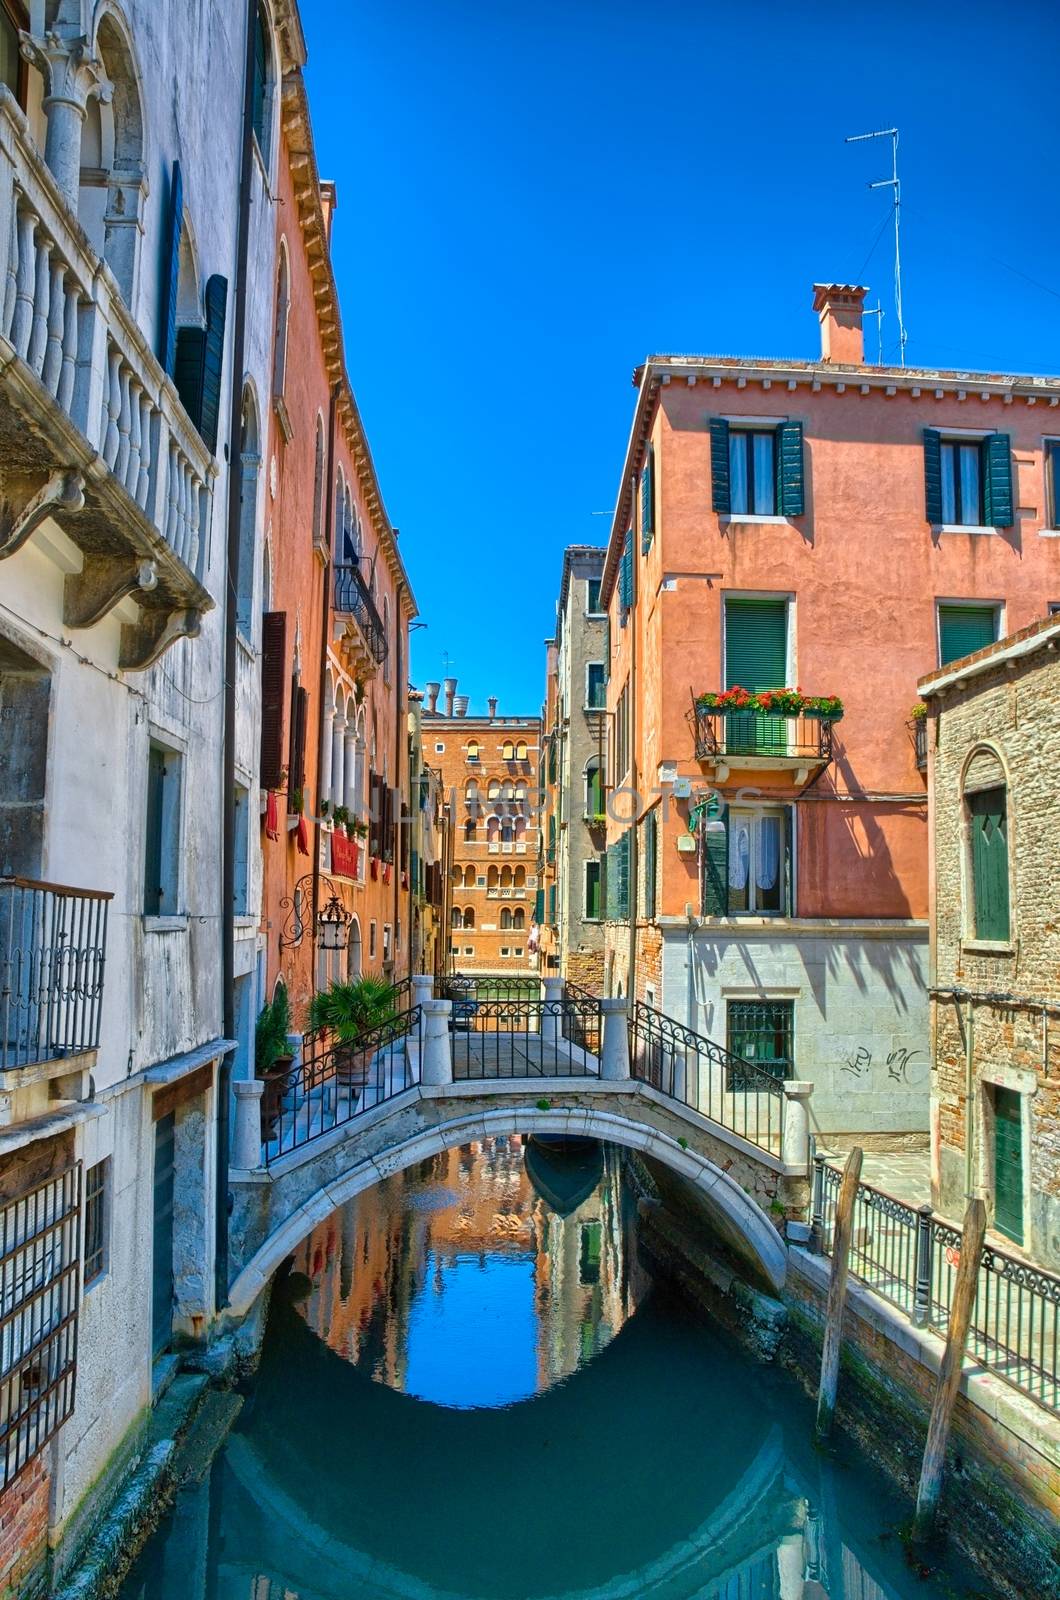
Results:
x,y
470,1386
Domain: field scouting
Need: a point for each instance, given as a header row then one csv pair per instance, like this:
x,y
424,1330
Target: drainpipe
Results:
x,y
401,736
329,512
969,1117
228,760
631,971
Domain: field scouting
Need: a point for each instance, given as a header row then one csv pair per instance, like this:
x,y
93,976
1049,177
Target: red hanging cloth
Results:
x,y
272,815
302,837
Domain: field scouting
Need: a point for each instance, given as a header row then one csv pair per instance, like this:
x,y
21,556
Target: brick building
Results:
x,y
836,528
489,771
993,740
573,760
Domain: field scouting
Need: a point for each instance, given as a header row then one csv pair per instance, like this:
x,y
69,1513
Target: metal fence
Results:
x,y
353,598
503,1028
52,949
909,1256
582,1018
706,1077
335,1085
38,1317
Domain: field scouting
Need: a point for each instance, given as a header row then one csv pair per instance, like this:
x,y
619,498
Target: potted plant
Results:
x,y
272,1053
341,815
348,1011
324,808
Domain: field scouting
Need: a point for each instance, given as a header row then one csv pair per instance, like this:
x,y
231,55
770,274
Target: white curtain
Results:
x,y
767,858
739,853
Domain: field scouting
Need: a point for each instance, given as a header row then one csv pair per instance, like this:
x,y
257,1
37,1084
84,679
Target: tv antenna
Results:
x,y
893,184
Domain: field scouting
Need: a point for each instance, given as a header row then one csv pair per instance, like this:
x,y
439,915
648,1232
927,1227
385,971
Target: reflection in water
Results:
x,y
460,1283
466,1391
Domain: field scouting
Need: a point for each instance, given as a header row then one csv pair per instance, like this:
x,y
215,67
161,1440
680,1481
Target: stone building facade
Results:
x,y
833,529
489,770
993,739
573,760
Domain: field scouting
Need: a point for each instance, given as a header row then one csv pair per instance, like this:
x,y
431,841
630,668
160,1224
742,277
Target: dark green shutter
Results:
x,y
965,629
539,907
719,465
989,827
997,481
188,370
647,502
156,779
1008,1163
257,115
651,854
162,1286
622,862
167,345
756,644
716,870
625,574
213,360
273,696
932,475
790,489
592,890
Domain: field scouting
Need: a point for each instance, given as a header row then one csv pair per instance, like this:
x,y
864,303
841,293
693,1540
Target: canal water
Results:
x,y
470,1388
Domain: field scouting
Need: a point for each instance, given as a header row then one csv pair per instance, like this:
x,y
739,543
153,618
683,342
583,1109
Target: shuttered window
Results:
x,y
757,471
651,861
647,502
167,352
964,629
756,643
199,364
156,778
273,685
988,822
618,879
625,573
595,686
296,763
261,79
747,864
162,832
968,482
593,885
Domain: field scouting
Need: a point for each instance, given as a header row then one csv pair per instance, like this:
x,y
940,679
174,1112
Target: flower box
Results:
x,y
737,702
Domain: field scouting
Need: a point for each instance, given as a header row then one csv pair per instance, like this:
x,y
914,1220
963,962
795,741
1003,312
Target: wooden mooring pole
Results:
x,y
965,1285
837,1293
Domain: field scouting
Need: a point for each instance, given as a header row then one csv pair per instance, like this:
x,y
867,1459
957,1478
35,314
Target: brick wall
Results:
x,y
1012,710
24,1532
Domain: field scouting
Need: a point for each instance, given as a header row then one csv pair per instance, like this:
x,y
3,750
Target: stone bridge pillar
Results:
x,y
795,1129
551,1017
246,1141
614,1040
422,988
436,1064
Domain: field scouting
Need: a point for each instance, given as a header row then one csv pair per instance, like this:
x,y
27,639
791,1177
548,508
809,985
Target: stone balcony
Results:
x,y
359,631
92,432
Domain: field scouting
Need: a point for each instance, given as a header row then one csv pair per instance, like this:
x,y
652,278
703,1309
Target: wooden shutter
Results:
x,y
719,465
156,778
625,576
188,370
965,629
932,475
592,890
257,113
213,360
1008,1163
647,502
997,480
167,348
299,720
789,861
790,487
273,685
989,829
716,870
756,644
651,842
539,906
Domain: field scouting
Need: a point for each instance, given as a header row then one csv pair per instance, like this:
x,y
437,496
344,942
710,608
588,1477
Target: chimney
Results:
x,y
460,705
432,696
329,202
838,308
450,690
492,703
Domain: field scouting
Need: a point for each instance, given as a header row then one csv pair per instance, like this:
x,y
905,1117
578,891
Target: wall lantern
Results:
x,y
707,813
333,925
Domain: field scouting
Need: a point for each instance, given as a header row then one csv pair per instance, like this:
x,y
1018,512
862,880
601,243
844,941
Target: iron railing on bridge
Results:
x,y
332,1086
909,1256
584,1017
52,954
696,1072
504,1028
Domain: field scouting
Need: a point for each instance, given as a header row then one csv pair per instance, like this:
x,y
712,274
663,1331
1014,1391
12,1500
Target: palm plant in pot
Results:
x,y
350,1011
272,1053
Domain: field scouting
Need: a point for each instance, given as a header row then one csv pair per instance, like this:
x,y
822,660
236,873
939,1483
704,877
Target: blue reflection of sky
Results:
x,y
472,1331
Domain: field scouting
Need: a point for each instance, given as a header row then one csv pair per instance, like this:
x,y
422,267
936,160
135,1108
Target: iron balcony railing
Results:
x,y
706,1077
504,1028
52,953
920,743
721,735
353,599
909,1256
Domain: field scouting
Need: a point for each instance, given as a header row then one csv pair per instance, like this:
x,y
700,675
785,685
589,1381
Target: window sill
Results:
x,y
730,517
596,616
243,922
962,527
1049,533
988,947
171,924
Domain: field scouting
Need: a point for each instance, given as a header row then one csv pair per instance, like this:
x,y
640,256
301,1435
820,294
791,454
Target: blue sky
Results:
x,y
534,197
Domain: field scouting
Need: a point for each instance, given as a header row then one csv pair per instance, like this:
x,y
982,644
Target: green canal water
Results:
x,y
469,1388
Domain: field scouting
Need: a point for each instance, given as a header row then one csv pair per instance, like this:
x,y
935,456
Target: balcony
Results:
x,y
920,742
505,894
751,741
52,948
91,427
362,637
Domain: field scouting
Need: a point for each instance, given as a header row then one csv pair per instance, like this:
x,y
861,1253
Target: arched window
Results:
x,y
594,787
249,465
262,84
492,878
469,877
507,830
519,826
508,751
506,877
469,917
354,951
518,917
473,750
493,792
521,750
457,918
493,828
318,485
340,496
112,188
506,917
469,830
520,878
472,799
283,313
987,912
521,794
458,875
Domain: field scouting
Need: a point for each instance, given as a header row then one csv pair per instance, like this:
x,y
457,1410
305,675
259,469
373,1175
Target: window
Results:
x,y
616,879
647,501
651,861
456,918
469,918
508,750
756,471
371,941
517,950
1052,483
988,841
593,886
260,89
594,787
620,735
505,950
472,750
518,918
439,749
592,597
760,1032
506,918
752,472
469,830
283,312
318,486
968,482
95,1222
162,844
11,67
387,659
747,864
241,885
595,686
387,940
964,629
522,750
469,949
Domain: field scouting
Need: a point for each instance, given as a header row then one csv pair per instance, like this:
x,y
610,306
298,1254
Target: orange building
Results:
x,y
489,769
335,736
837,529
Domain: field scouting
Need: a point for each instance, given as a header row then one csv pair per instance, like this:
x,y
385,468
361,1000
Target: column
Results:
x,y
614,1040
552,1015
360,782
349,798
324,785
795,1130
422,988
246,1141
436,1065
72,75
338,760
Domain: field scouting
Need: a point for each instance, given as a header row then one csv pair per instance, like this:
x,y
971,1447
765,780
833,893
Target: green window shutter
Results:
x,y
607,648
622,863
261,58
756,644
997,481
719,465
790,490
592,890
716,870
1008,1163
188,365
552,904
964,629
539,907
213,360
651,855
647,502
932,475
625,574
156,778
273,696
167,349
989,829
